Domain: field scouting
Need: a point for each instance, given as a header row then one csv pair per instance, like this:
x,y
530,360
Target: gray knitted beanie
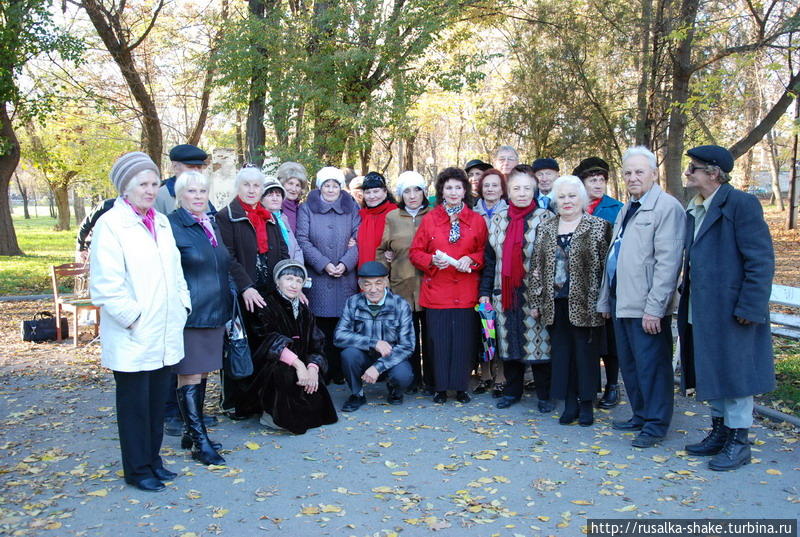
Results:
x,y
127,166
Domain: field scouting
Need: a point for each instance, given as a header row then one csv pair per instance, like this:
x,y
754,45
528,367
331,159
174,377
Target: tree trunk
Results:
x,y
643,125
78,207
50,205
61,195
408,157
205,95
239,140
9,158
681,75
775,169
255,133
23,191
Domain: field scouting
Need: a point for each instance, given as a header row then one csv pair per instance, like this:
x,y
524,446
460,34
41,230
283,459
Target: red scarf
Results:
x,y
370,232
513,268
258,217
593,205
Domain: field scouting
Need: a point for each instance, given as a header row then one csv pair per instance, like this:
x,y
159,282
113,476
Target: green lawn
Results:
x,y
786,396
29,274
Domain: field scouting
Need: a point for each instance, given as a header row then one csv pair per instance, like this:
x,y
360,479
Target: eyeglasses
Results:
x,y
691,168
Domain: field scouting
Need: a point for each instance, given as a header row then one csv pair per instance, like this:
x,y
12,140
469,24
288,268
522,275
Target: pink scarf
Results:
x,y
148,218
205,223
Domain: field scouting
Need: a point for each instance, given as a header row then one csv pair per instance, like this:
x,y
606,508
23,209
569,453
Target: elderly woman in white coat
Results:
x,y
137,280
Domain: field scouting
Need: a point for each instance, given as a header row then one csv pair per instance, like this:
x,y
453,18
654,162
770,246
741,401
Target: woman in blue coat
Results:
x,y
593,171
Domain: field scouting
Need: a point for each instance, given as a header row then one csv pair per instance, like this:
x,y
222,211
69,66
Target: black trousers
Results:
x,y
355,362
171,408
575,356
421,359
451,340
141,397
646,364
609,354
515,377
332,352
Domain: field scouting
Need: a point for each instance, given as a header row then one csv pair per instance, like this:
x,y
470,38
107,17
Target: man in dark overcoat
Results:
x,y
723,317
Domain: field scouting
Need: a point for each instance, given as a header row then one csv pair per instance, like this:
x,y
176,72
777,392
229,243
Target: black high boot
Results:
x,y
186,440
735,453
610,397
713,443
191,405
586,415
570,413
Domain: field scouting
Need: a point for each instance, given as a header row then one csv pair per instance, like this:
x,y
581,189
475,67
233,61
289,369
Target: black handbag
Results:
x,y
43,328
236,359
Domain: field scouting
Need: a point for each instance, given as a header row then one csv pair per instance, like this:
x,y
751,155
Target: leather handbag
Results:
x,y
236,358
43,328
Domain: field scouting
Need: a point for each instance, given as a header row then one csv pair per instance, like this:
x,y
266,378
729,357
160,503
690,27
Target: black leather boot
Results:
x,y
586,414
713,443
735,453
191,405
570,413
610,397
186,440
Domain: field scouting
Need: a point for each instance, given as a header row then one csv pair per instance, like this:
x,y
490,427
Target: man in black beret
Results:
x,y
376,335
183,158
546,172
723,316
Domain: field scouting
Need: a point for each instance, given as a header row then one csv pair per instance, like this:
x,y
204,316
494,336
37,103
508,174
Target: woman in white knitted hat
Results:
x,y
137,280
404,277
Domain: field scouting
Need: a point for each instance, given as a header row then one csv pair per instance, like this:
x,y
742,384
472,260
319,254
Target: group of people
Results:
x,y
355,287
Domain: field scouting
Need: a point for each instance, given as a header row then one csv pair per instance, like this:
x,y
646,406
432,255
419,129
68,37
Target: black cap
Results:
x,y
372,269
188,154
373,180
545,164
477,163
591,164
713,154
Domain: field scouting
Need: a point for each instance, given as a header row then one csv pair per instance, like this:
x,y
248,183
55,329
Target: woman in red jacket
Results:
x,y
448,249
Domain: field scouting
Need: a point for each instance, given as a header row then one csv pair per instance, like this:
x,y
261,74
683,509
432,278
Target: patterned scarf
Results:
x,y
455,225
205,223
370,232
148,218
258,217
513,267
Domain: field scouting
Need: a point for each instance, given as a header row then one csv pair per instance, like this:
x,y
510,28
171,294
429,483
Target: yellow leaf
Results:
x,y
385,444
193,494
603,452
99,492
683,472
382,490
219,513
310,510
543,518
331,509
613,473
660,458
400,472
252,445
773,471
474,508
502,479
52,525
189,534
581,502
627,508
690,413
178,527
486,454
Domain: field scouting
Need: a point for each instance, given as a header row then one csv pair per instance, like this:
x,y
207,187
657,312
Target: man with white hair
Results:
x,y
639,283
505,158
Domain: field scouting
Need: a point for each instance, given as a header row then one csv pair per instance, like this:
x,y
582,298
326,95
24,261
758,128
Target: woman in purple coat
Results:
x,y
327,224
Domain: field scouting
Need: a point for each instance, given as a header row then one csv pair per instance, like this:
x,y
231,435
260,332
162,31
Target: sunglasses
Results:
x,y
691,168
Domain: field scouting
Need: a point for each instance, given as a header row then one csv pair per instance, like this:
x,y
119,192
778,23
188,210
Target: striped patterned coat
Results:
x,y
531,334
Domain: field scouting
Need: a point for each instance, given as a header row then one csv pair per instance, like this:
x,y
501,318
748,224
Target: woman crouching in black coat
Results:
x,y
289,362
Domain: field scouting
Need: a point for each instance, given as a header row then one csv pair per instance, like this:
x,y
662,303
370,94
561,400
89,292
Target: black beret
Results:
x,y
188,154
545,164
477,163
713,154
373,180
372,269
591,164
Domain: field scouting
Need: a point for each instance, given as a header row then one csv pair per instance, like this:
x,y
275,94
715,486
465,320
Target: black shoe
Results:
x,y
440,398
645,441
236,415
163,474
463,397
148,484
610,397
507,401
354,402
735,453
570,413
546,407
394,397
498,390
713,443
190,401
586,414
627,425
173,426
186,442
483,387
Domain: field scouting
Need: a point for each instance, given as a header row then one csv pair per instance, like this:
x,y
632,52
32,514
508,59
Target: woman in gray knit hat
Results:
x,y
137,280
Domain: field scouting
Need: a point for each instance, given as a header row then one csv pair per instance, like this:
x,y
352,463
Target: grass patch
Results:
x,y
786,396
29,274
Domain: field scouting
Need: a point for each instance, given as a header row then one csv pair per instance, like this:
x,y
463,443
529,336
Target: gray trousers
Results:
x,y
355,362
736,411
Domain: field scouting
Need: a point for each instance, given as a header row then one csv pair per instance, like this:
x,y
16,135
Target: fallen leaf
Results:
x,y
581,502
219,513
102,493
331,509
773,471
400,472
385,444
626,509
252,445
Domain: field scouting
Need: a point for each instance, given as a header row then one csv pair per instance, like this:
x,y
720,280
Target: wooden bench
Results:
x,y
784,324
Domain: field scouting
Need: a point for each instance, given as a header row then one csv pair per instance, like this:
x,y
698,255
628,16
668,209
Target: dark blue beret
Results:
x,y
477,163
372,269
188,154
713,154
591,164
373,180
545,164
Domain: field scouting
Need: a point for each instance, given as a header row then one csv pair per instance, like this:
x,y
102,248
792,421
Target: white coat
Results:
x,y
138,284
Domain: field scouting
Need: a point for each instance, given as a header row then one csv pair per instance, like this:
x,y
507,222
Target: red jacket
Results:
x,y
448,288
